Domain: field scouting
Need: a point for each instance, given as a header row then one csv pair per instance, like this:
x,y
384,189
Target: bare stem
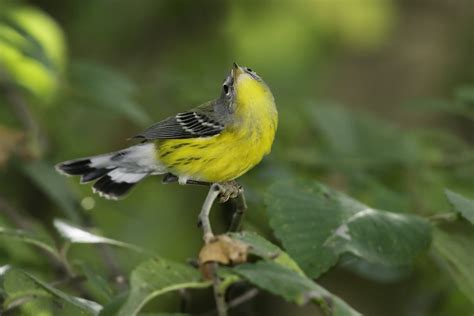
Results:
x,y
225,191
444,217
243,298
219,294
63,257
240,209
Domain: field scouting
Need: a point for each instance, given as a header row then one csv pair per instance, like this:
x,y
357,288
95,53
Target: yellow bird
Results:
x,y
215,142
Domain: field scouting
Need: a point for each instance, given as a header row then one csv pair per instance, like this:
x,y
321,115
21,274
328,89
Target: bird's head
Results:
x,y
244,87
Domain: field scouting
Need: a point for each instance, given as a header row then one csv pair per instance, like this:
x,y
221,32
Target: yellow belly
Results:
x,y
218,158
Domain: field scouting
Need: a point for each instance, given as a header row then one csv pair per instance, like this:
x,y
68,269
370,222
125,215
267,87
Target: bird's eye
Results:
x,y
249,69
226,88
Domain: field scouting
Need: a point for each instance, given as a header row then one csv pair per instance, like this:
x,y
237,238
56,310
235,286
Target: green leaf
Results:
x,y
292,286
155,277
18,284
454,244
30,238
78,235
263,248
281,275
32,50
462,205
316,225
103,87
53,185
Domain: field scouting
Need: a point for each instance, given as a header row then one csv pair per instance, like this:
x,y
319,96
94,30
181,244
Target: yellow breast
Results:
x,y
238,148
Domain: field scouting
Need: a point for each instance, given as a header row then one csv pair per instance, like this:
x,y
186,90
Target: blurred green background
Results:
x,y
375,98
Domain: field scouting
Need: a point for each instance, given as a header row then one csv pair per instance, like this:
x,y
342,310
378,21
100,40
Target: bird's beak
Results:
x,y
236,70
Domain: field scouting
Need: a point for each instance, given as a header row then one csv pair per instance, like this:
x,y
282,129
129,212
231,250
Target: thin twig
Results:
x,y
240,209
219,294
63,257
68,280
204,222
185,298
239,300
113,269
242,298
444,217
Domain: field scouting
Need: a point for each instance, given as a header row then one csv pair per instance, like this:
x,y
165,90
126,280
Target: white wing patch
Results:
x,y
198,124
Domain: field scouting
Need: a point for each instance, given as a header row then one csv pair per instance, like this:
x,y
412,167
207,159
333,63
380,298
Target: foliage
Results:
x,y
316,225
32,50
348,201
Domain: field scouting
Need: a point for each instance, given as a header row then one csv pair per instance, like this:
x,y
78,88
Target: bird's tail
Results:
x,y
114,173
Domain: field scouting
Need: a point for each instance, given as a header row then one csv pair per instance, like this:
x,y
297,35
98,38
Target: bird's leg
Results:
x,y
171,178
196,182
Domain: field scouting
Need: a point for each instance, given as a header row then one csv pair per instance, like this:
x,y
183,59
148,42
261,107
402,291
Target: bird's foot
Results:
x,y
229,190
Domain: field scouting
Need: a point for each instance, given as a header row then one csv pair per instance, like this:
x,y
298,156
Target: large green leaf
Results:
x,y
155,277
19,284
263,248
454,244
462,205
316,225
292,286
281,275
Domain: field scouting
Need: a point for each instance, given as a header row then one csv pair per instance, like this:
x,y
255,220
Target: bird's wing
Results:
x,y
199,122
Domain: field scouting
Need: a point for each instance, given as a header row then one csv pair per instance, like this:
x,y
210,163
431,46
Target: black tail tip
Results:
x,y
75,167
109,189
105,186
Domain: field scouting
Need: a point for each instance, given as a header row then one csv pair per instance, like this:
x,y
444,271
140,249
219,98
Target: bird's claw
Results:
x,y
229,190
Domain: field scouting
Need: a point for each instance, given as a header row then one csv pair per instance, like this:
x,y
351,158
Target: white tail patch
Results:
x,y
121,175
116,173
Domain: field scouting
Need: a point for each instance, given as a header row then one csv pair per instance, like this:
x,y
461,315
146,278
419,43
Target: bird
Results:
x,y
215,142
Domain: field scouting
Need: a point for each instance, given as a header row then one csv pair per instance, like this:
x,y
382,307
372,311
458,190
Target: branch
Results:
x,y
243,298
219,293
204,222
240,209
225,191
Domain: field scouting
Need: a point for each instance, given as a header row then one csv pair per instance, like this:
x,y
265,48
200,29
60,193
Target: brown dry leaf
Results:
x,y
10,140
224,250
